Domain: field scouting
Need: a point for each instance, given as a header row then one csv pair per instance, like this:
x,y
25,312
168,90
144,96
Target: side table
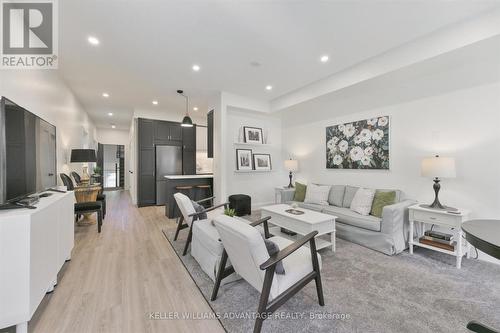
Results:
x,y
279,191
442,218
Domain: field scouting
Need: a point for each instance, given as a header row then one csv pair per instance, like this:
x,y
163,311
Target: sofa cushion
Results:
x,y
315,207
347,216
300,192
397,198
350,191
336,196
362,201
381,200
317,194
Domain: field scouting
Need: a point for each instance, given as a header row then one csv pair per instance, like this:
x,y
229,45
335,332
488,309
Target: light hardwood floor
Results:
x,y
117,278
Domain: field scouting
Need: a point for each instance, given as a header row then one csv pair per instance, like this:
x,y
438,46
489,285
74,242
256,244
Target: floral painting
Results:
x,y
362,144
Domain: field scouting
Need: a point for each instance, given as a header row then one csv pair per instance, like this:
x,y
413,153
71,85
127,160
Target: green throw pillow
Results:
x,y
381,200
300,192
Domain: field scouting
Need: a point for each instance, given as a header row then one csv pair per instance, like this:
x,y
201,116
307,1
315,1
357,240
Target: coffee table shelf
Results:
x,y
320,242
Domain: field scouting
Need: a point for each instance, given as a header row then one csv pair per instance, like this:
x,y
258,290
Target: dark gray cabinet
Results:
x,y
210,134
146,194
189,150
167,132
151,133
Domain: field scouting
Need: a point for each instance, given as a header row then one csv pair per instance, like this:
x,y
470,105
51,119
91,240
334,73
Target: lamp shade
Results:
x,y
83,155
438,167
187,122
292,165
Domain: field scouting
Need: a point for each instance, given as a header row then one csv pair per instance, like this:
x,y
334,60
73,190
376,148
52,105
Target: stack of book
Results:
x,y
438,239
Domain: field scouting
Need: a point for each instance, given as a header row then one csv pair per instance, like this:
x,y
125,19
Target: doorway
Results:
x,y
113,166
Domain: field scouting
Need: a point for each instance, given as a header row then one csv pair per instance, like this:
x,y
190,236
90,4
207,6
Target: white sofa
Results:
x,y
388,234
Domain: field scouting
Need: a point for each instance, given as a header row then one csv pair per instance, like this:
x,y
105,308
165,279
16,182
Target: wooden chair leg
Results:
x,y
188,240
179,227
99,221
264,298
220,274
317,278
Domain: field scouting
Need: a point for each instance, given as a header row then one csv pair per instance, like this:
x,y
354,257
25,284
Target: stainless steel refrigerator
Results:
x,y
168,162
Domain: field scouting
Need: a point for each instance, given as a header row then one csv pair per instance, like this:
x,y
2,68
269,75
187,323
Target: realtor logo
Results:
x,y
29,34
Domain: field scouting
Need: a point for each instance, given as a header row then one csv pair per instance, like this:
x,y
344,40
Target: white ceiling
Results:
x,y
148,47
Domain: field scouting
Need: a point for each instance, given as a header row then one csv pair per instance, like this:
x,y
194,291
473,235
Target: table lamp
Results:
x,y
291,166
437,168
83,156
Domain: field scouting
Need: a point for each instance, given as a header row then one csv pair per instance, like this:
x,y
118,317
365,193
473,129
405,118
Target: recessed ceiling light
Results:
x,y
269,87
324,58
155,102
113,126
110,114
195,108
105,95
196,68
93,40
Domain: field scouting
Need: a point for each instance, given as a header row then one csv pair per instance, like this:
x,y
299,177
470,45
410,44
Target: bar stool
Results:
x,y
187,191
204,189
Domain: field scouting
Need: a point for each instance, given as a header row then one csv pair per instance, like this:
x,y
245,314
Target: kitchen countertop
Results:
x,y
188,176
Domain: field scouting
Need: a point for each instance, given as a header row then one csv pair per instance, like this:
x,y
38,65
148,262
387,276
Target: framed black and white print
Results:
x,y
252,134
244,159
362,144
262,161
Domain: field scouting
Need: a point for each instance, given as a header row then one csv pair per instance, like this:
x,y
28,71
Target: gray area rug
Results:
x,y
367,291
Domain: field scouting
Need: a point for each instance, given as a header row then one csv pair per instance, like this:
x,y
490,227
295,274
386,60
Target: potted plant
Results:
x,y
229,212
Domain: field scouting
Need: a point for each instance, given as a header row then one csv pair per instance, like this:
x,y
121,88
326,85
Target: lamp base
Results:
x,y
85,179
290,185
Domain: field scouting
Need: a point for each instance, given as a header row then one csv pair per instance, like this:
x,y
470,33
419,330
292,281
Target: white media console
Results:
x,y
34,244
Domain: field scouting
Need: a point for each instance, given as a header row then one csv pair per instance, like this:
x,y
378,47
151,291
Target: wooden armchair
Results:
x,y
245,247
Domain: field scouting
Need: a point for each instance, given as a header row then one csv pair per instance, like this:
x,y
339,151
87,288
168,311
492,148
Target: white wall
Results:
x,y
118,137
259,185
46,95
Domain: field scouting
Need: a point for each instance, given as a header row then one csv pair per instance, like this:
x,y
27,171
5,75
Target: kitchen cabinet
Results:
x,y
189,150
210,134
152,133
146,194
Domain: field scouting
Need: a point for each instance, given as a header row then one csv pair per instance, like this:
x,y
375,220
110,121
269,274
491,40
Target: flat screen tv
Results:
x,y
27,153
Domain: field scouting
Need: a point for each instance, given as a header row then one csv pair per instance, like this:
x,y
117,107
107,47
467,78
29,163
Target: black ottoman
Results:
x,y
241,203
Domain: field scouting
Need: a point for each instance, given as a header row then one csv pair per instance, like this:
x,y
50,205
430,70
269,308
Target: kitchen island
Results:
x,y
174,181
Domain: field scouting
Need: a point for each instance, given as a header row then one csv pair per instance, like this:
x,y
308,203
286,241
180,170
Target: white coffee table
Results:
x,y
301,224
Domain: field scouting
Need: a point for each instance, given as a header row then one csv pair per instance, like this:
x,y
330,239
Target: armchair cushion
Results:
x,y
247,251
199,208
208,235
185,206
273,248
297,265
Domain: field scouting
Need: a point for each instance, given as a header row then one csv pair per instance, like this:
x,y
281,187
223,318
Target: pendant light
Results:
x,y
186,121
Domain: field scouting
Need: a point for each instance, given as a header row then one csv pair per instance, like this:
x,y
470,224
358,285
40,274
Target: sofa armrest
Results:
x,y
395,218
287,196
